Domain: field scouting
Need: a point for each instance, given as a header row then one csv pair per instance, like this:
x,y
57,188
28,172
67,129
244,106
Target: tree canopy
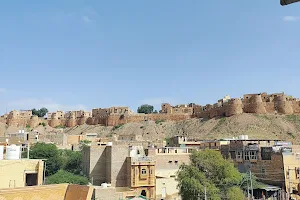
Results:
x,y
40,113
56,159
85,143
48,152
66,177
145,108
208,169
71,161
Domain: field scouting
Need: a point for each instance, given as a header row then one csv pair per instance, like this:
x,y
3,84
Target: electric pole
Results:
x,y
252,197
248,194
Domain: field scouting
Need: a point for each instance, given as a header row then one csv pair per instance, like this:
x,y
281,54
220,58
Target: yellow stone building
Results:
x,y
21,173
120,171
141,171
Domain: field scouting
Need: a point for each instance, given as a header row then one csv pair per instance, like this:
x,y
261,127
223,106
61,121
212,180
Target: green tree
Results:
x,y
235,193
40,113
66,177
145,108
48,152
84,143
208,169
192,184
71,161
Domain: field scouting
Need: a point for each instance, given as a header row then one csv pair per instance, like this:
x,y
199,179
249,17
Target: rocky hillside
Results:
x,y
256,126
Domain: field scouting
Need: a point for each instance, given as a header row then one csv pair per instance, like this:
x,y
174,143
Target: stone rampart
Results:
x,y
234,107
254,104
261,103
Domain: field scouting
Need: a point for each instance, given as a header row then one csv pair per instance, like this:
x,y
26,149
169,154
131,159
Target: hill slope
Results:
x,y
255,126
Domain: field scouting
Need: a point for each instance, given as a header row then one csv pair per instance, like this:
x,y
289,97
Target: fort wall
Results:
x,y
115,119
261,103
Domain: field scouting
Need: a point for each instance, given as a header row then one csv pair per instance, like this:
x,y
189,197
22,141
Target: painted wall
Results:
x,y
13,172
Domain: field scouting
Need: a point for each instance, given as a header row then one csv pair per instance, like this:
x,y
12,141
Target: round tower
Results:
x,y
235,107
255,105
54,121
13,118
71,122
34,121
283,106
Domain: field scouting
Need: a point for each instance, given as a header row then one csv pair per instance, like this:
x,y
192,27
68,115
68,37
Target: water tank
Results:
x,y
1,152
109,144
104,185
13,152
246,137
242,137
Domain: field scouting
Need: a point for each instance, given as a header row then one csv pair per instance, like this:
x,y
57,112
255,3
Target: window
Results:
x,y
176,162
170,161
253,155
263,170
297,172
239,155
247,155
266,153
144,171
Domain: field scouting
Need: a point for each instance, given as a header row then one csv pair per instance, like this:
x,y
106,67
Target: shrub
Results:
x,y
117,127
159,121
66,177
60,126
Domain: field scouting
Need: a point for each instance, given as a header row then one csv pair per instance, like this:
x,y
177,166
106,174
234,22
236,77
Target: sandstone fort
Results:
x,y
261,103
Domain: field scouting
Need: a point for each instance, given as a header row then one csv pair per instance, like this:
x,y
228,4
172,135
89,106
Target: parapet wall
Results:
x,y
113,120
261,103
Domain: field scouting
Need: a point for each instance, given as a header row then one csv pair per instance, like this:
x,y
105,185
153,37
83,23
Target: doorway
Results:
x,y
31,179
144,193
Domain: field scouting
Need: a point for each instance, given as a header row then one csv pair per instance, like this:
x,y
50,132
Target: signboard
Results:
x,y
280,143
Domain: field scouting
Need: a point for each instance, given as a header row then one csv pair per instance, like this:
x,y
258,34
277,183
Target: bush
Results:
x,y
42,124
66,177
60,126
117,127
27,126
159,121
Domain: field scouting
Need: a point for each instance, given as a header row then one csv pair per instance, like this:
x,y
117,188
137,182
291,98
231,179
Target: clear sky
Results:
x,y
74,54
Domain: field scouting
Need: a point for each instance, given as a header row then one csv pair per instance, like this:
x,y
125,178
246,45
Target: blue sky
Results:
x,y
75,54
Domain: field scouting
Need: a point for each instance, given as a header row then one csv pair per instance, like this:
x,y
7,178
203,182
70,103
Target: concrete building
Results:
x,y
214,144
166,184
167,163
272,162
183,141
127,171
20,173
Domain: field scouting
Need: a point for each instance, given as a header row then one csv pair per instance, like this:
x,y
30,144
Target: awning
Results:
x,y
269,188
